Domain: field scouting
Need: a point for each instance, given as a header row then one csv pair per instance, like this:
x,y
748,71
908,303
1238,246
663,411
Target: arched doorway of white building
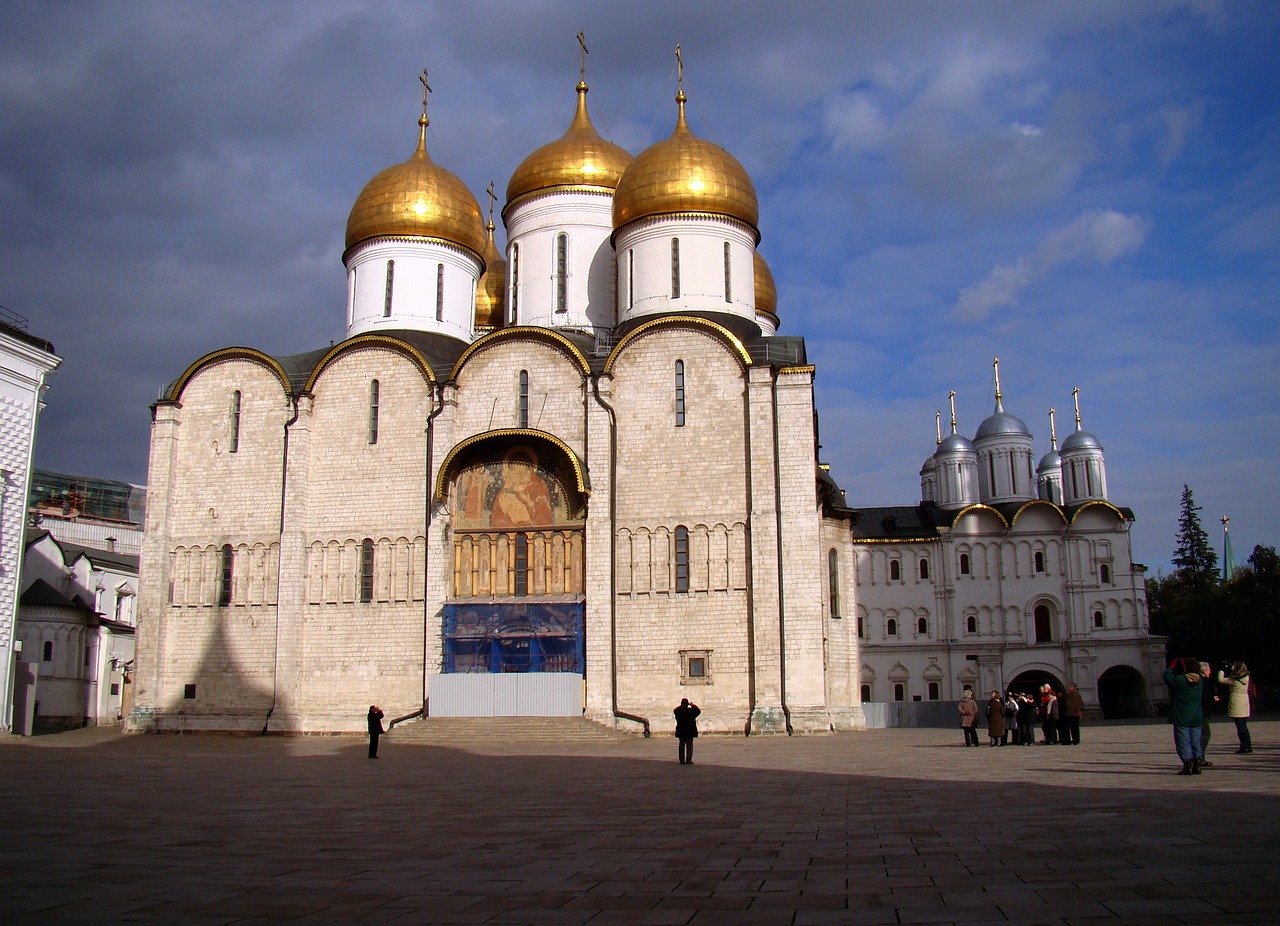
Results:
x,y
1122,692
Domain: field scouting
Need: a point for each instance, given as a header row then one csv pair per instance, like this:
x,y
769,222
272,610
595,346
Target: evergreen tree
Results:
x,y
1195,558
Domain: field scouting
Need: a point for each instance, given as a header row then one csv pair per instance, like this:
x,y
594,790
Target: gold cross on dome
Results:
x,y
426,88
493,197
582,40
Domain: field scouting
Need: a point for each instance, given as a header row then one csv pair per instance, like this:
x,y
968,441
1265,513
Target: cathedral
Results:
x,y
581,478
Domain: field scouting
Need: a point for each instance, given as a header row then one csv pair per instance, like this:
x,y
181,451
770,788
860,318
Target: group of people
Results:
x,y
1192,693
1013,717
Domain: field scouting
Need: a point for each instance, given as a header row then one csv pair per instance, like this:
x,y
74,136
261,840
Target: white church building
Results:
x,y
579,478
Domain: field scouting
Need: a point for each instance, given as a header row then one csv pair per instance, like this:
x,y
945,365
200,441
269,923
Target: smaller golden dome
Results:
x,y
578,159
491,292
683,173
766,291
417,199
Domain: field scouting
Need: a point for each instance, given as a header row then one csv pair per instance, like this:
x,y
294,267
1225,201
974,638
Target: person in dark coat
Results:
x,y
686,729
1072,709
1185,712
375,729
995,719
1026,720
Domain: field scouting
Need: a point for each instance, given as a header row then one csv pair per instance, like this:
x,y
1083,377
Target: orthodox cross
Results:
x,y
1053,429
1075,394
426,88
493,197
952,396
937,421
996,365
582,68
679,69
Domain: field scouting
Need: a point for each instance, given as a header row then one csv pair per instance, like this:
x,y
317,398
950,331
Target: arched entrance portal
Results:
x,y
1122,692
513,626
1029,682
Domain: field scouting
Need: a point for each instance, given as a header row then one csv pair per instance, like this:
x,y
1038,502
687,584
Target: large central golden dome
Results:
x,y
684,174
417,199
579,159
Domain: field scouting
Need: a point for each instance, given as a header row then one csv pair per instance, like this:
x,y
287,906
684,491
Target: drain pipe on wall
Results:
x,y
437,398
613,559
284,489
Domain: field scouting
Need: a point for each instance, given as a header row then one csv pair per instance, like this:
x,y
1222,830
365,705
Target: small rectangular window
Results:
x,y
515,281
439,292
695,667
115,689
675,268
562,273
189,692
366,571
833,582
373,411
386,301
523,413
682,559
235,421
522,565
227,564
631,279
728,291
679,393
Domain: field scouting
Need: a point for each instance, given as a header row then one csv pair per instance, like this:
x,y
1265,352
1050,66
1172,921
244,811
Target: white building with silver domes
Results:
x,y
580,478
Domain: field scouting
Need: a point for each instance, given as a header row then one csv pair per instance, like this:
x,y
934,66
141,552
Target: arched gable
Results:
x,y
249,354
1097,512
719,332
1038,515
526,333
367,342
978,518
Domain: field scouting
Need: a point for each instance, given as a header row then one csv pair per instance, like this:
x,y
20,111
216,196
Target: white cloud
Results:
x,y
855,123
1099,236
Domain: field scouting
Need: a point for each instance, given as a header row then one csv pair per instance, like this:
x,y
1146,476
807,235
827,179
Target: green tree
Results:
x,y
1186,606
1194,556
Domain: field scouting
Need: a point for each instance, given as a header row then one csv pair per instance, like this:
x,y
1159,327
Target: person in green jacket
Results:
x,y
1185,713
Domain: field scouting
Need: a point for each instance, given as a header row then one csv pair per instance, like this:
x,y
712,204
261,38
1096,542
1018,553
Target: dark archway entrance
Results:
x,y
1122,692
1029,682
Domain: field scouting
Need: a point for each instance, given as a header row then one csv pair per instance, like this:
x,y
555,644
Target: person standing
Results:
x,y
1185,712
968,709
686,729
375,729
1010,719
1236,678
1072,710
1026,720
1208,698
995,719
1048,715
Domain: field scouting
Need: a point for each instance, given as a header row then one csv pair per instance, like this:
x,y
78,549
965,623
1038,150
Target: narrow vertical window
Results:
x,y
47,654
1043,624
1013,474
1104,574
679,393
227,559
971,625
682,559
991,470
1039,562
235,421
895,570
1088,479
631,278
728,288
515,281
899,691
522,564
562,272
891,628
924,569
833,582
366,570
524,398
373,412
386,299
964,564
935,691
922,627
439,292
675,268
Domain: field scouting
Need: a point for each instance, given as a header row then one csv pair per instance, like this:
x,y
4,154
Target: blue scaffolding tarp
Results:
x,y
514,635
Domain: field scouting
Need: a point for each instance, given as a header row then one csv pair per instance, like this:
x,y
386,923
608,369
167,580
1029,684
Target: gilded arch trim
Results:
x,y
1038,503
680,321
523,331
1101,504
978,507
372,340
445,473
229,353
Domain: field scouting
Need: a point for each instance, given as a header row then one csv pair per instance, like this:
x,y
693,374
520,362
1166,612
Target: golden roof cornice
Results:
x,y
530,332
249,354
367,341
680,321
447,465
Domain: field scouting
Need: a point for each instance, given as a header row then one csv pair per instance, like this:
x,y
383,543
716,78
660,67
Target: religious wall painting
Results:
x,y
520,489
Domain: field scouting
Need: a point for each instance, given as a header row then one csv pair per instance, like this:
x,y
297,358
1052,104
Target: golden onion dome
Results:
x,y
492,289
766,291
579,159
683,173
417,199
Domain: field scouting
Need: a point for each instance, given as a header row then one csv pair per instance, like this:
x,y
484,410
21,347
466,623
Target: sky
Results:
x,y
1089,191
